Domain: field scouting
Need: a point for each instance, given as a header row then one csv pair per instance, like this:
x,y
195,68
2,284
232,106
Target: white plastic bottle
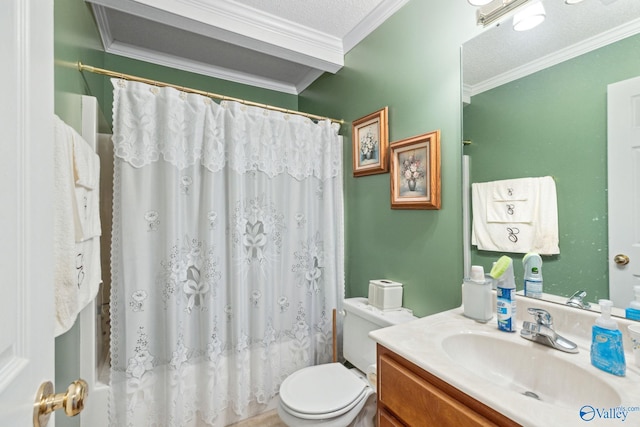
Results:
x,y
476,296
533,284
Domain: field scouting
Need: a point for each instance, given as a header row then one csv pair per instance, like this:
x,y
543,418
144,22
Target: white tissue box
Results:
x,y
385,294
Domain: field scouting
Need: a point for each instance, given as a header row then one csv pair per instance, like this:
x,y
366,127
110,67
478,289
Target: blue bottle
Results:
x,y
633,311
607,352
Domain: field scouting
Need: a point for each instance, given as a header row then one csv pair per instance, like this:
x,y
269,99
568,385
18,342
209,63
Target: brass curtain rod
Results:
x,y
82,67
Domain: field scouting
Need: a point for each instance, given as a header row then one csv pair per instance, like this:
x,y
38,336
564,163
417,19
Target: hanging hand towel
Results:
x,y
539,235
66,290
77,263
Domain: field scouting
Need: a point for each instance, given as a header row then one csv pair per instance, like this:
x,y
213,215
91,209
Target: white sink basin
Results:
x,y
533,371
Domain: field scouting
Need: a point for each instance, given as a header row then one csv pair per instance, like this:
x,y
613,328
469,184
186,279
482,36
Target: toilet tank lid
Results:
x,y
361,307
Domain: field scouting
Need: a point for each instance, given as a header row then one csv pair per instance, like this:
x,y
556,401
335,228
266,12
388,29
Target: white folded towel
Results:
x,y
86,166
66,290
539,235
86,163
77,271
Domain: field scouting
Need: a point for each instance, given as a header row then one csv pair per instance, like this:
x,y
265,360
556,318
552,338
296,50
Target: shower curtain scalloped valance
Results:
x,y
195,129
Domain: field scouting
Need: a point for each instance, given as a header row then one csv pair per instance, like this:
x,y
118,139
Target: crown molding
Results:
x,y
588,45
306,80
254,29
102,20
372,21
234,23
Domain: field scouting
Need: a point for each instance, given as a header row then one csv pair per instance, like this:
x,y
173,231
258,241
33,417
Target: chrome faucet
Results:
x,y
576,300
541,331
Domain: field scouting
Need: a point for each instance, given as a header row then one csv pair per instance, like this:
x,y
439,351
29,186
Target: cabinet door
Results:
x,y
419,403
411,396
387,420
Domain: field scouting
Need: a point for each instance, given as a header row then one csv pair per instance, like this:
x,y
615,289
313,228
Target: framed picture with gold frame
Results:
x,y
371,143
415,172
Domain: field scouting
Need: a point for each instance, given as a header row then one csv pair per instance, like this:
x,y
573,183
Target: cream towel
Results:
x,y
77,260
86,166
66,294
539,235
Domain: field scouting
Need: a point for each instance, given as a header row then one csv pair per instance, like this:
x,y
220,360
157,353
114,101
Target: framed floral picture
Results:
x,y
371,143
415,172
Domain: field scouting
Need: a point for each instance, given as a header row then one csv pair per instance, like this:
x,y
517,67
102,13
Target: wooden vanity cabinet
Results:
x,y
410,396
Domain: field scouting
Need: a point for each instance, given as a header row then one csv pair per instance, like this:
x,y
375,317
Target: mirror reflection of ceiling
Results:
x,y
501,54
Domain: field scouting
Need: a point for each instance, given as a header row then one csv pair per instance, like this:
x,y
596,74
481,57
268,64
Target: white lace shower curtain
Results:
x,y
227,255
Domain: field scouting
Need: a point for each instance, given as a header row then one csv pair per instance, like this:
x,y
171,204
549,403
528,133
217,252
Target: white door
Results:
x,y
624,189
26,172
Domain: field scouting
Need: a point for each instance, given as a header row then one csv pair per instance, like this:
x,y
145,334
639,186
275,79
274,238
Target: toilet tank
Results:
x,y
361,318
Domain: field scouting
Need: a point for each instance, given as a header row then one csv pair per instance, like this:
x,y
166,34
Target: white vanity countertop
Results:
x,y
420,342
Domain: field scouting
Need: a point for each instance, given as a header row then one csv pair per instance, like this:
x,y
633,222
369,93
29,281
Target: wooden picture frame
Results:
x,y
415,172
370,136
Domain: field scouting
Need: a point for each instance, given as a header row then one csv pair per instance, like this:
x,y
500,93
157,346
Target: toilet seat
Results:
x,y
322,391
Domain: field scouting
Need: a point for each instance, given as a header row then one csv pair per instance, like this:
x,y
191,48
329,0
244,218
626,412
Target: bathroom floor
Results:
x,y
268,419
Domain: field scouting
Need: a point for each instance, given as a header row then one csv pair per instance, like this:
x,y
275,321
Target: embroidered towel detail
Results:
x,y
511,189
540,235
512,211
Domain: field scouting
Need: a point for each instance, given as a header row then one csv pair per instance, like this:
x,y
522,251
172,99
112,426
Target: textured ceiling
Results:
x,y
500,54
282,45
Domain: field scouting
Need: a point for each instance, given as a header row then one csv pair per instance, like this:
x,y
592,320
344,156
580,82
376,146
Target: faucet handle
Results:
x,y
543,317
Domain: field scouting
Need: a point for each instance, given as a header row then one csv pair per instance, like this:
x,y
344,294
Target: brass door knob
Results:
x,y
47,401
621,259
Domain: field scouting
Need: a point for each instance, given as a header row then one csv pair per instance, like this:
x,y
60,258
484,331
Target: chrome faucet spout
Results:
x,y
541,331
577,300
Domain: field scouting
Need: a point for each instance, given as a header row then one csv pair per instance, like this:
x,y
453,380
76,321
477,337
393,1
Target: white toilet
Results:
x,y
331,395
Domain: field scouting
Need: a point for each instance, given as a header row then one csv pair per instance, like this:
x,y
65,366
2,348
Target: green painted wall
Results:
x,y
554,123
411,63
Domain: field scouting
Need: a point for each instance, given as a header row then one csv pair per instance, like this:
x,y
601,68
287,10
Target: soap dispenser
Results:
x,y
607,352
476,296
633,311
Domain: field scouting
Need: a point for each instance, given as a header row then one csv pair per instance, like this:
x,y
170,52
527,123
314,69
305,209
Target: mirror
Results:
x,y
535,105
